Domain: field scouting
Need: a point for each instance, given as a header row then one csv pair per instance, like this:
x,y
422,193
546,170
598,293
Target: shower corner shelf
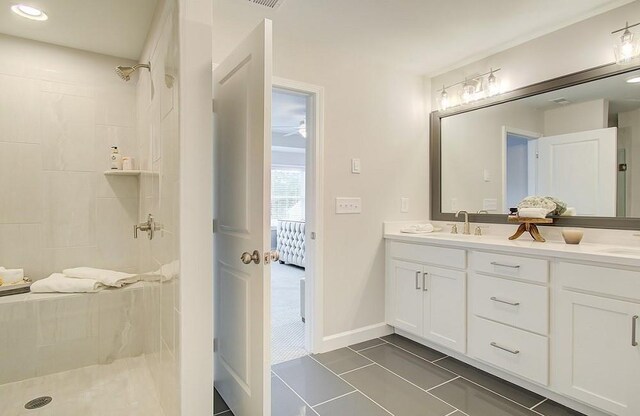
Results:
x,y
128,172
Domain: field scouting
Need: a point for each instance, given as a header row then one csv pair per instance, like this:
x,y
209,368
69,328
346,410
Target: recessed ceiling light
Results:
x,y
29,12
633,80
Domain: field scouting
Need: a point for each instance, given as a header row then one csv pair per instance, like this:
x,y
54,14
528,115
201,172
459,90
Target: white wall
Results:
x,y
195,296
572,118
60,111
372,112
575,48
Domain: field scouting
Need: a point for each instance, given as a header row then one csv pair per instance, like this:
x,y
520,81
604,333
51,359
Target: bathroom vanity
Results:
x,y
557,319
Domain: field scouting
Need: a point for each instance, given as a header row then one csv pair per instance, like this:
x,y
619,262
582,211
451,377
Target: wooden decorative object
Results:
x,y
529,225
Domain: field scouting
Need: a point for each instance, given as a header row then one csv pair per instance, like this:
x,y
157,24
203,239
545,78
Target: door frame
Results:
x,y
313,331
532,137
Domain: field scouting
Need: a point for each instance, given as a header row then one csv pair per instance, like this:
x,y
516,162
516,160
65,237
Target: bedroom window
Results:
x,y
287,194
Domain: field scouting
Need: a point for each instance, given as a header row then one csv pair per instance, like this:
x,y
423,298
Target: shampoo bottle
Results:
x,y
115,158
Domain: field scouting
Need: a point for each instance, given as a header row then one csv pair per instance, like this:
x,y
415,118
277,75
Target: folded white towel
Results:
x,y
106,277
59,283
532,212
570,212
10,276
418,229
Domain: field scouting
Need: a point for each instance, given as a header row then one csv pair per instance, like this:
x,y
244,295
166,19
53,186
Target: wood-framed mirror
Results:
x,y
576,138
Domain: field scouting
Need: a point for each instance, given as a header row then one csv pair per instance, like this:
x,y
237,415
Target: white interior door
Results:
x,y
242,109
580,169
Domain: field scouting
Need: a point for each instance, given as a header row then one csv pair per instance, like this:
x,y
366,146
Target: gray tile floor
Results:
x,y
395,376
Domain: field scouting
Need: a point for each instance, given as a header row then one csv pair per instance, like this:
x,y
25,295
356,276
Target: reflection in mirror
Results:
x,y
579,144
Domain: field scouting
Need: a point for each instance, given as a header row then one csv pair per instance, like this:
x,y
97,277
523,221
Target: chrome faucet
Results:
x,y
467,227
150,227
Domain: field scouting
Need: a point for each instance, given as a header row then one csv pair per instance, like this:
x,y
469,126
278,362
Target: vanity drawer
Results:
x,y
440,256
511,349
518,304
535,270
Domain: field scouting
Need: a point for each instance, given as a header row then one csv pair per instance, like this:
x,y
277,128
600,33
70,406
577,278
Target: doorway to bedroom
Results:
x,y
289,196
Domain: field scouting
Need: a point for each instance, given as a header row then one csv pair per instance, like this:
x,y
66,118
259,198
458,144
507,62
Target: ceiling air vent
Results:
x,y
560,101
271,4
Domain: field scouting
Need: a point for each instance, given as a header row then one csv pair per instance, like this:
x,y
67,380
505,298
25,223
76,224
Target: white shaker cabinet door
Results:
x,y
445,307
597,361
406,302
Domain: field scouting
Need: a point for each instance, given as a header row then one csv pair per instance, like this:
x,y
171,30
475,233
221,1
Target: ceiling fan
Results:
x,y
300,129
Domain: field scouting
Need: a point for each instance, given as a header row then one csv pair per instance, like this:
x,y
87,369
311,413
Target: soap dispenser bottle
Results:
x,y
115,158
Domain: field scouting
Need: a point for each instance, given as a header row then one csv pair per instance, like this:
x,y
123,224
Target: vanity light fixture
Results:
x,y
628,48
472,89
29,12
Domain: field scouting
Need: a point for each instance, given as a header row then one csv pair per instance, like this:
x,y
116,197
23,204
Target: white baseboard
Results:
x,y
365,333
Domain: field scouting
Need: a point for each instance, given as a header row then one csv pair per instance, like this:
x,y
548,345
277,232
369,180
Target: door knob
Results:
x,y
269,256
247,258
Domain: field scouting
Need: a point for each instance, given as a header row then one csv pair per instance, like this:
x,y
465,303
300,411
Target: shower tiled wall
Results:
x,y
158,133
60,111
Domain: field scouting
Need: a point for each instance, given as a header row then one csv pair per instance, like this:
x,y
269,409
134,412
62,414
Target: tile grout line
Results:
x,y
294,392
439,359
442,384
222,413
356,369
538,404
382,342
334,398
418,387
354,387
488,389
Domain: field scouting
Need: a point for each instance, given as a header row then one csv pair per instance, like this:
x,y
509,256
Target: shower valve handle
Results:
x,y
150,227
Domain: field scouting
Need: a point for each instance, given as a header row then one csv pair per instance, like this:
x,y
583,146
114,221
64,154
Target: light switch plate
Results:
x,y
404,204
348,205
486,173
355,166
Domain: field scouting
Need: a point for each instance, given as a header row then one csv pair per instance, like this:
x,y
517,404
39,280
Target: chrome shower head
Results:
x,y
125,72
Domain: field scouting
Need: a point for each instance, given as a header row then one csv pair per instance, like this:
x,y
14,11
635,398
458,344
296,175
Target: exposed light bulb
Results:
x,y
628,48
493,86
444,99
468,92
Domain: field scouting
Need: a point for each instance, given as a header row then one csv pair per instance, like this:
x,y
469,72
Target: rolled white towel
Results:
x,y
532,212
106,277
59,283
418,229
11,276
570,212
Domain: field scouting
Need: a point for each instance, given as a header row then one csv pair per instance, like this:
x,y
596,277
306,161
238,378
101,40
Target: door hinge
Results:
x,y
213,105
213,226
313,235
537,155
215,344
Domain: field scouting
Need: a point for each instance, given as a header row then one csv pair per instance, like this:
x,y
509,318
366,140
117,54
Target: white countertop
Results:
x,y
584,252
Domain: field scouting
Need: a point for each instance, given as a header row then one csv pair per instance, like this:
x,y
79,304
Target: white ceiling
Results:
x,y
424,36
111,27
288,109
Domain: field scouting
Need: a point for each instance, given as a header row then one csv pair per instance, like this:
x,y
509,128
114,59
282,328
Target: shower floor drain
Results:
x,y
38,402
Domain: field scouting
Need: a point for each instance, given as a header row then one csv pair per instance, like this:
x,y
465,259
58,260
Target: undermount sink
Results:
x,y
621,251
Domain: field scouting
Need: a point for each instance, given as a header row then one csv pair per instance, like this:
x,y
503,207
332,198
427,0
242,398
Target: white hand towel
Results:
x,y
106,277
59,283
532,212
10,276
418,229
570,212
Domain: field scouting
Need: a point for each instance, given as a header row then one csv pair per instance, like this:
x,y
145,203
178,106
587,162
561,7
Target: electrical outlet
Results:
x,y
348,205
404,204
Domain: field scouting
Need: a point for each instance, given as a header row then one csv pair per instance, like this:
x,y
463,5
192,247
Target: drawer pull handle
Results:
x,y
505,265
424,282
417,280
634,325
495,299
500,347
